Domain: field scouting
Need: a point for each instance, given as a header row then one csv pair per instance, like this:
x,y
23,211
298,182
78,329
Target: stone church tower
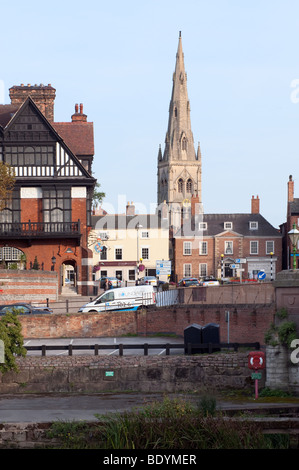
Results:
x,y
179,167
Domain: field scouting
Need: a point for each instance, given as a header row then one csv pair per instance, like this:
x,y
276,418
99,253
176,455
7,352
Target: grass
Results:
x,y
170,424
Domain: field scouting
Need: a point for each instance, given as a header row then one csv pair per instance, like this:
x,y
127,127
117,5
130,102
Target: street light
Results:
x,y
271,254
138,226
222,271
294,237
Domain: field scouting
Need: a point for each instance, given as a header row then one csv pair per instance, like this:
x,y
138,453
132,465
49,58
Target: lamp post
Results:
x,y
222,273
294,237
271,254
138,226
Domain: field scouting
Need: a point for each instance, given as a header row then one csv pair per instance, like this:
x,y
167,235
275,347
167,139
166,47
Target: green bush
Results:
x,y
11,335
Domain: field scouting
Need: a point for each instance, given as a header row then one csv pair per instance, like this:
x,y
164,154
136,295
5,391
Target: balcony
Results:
x,y
39,230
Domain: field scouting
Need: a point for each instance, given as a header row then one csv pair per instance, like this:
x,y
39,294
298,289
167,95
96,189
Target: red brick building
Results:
x,y
46,222
292,218
210,244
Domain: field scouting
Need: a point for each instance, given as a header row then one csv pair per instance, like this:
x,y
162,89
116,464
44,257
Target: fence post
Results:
x,y
70,349
167,349
96,349
121,349
67,305
43,350
145,349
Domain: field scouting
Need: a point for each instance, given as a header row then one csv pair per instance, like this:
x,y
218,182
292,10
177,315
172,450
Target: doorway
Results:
x,y
69,277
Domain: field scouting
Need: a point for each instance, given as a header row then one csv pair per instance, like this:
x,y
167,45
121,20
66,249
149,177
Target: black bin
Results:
x,y
192,334
210,334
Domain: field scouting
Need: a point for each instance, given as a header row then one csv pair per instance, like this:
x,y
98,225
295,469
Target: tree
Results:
x,y
7,181
11,335
98,196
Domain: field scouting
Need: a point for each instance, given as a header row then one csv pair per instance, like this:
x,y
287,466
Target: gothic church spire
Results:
x,y
179,170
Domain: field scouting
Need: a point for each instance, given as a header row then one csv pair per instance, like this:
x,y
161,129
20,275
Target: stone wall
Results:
x,y
88,374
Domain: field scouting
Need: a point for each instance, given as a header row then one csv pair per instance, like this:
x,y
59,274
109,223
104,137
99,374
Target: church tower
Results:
x,y
179,167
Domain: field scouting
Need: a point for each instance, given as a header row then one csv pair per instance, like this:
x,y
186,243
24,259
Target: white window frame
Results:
x,y
267,250
228,225
252,242
203,251
145,234
203,226
203,269
227,244
187,270
253,225
148,252
118,248
187,249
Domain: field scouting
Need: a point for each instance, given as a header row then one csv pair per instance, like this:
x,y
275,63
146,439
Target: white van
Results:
x,y
122,298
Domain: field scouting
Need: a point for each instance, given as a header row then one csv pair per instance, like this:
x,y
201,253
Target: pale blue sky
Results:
x,y
117,58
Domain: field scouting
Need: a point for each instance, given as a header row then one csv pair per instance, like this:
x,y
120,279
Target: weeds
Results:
x,y
171,424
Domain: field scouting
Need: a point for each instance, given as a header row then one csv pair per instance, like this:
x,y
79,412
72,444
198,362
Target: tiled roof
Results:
x,y
125,222
240,225
77,135
6,113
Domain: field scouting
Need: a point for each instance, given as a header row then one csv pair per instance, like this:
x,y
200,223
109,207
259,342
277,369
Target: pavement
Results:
x,y
49,408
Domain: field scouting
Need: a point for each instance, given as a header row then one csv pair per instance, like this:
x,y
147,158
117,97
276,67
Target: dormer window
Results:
x,y
203,226
253,225
228,225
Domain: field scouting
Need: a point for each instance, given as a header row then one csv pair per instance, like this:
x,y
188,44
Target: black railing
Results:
x,y
188,348
39,229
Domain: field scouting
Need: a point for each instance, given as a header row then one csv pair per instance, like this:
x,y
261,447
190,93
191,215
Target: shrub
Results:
x,y
11,335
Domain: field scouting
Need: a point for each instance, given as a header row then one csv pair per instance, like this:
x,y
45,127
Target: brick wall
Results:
x,y
247,323
27,286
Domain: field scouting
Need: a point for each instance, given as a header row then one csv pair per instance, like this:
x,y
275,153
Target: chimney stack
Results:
x,y
42,95
255,205
290,189
79,116
130,209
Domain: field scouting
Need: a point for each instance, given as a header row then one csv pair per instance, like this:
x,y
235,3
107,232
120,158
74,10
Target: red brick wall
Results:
x,y
247,323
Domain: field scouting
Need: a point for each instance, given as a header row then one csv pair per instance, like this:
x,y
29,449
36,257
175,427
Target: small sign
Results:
x,y
2,359
241,260
109,373
256,375
234,266
261,275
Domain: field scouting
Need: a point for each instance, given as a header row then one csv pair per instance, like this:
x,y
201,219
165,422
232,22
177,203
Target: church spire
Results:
x,y
179,169
179,144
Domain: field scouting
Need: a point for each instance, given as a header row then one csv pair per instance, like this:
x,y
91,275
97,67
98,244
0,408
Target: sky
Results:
x,y
118,58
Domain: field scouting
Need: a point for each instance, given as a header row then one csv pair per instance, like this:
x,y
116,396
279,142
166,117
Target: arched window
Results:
x,y
189,186
180,185
11,256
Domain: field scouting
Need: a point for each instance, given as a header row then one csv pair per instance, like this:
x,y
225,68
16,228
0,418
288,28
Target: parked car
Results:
x,y
148,281
24,309
188,282
209,281
113,280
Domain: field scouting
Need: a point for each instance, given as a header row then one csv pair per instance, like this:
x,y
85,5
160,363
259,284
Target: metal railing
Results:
x,y
39,229
188,348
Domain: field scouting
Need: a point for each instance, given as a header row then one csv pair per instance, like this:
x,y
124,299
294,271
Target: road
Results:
x,y
113,342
